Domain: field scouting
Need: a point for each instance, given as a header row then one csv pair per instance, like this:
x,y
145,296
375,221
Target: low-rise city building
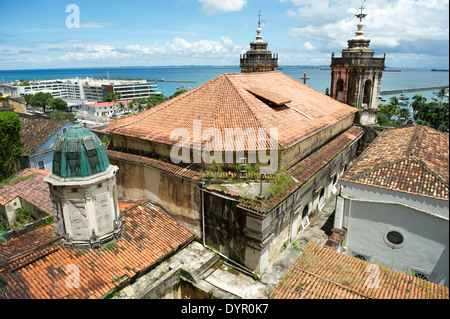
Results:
x,y
394,203
39,134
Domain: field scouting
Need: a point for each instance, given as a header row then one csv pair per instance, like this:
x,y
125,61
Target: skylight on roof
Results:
x,y
270,98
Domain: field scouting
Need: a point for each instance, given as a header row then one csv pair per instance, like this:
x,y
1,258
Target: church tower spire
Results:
x,y
258,58
356,76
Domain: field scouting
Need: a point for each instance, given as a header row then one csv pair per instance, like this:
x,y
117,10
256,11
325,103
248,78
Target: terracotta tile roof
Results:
x,y
127,204
31,187
322,273
302,172
412,159
35,131
226,102
40,272
176,169
103,104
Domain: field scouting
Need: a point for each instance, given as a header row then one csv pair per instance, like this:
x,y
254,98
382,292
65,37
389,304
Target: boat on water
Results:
x,y
439,70
392,70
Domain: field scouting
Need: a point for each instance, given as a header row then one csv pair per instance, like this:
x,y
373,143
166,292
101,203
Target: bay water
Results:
x,y
192,76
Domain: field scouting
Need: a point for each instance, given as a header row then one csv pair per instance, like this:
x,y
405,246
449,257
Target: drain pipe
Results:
x,y
238,265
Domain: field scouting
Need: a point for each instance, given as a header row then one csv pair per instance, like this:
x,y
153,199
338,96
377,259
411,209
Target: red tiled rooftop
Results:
x,y
31,187
103,104
35,131
412,159
322,273
226,102
40,272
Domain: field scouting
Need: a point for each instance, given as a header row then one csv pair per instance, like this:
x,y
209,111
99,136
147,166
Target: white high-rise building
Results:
x,y
83,89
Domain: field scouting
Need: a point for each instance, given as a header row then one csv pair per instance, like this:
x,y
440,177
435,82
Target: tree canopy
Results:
x,y
10,143
46,101
435,115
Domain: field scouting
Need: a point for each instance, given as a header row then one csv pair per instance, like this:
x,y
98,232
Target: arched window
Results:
x,y
305,211
340,85
367,92
322,199
340,90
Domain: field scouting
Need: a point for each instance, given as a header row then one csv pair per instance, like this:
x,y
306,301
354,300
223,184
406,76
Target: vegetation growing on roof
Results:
x,y
14,179
281,182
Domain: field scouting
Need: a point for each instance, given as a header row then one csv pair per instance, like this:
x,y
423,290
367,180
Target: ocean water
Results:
x,y
320,79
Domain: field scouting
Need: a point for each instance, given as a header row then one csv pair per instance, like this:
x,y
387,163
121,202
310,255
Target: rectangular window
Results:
x,y
41,165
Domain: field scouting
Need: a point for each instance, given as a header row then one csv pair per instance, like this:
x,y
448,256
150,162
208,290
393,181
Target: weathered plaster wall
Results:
x,y
254,240
303,148
369,213
426,237
224,226
179,196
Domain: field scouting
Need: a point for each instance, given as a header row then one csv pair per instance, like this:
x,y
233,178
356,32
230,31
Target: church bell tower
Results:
x,y
258,58
356,76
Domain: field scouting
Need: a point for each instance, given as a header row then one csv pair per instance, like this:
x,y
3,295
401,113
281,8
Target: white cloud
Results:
x,y
177,51
212,7
94,25
309,47
394,26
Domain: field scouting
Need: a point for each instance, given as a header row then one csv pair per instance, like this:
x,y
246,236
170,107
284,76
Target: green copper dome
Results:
x,y
79,153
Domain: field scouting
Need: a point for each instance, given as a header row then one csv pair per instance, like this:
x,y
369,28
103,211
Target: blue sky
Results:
x,y
34,34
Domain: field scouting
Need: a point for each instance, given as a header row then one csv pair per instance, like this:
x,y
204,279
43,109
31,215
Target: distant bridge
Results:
x,y
412,90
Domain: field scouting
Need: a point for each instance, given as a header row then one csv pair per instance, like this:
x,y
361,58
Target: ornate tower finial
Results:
x,y
361,15
258,59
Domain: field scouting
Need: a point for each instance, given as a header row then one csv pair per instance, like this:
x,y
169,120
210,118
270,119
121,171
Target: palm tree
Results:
x,y
394,105
440,95
403,113
113,97
121,107
418,105
139,108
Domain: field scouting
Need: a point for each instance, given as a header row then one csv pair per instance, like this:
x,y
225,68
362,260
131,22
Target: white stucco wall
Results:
x,y
369,213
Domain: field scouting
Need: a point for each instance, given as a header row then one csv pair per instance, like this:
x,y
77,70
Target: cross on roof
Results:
x,y
361,15
304,78
259,19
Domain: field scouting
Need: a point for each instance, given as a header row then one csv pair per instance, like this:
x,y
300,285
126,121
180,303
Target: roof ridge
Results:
x,y
412,145
429,169
249,106
217,104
